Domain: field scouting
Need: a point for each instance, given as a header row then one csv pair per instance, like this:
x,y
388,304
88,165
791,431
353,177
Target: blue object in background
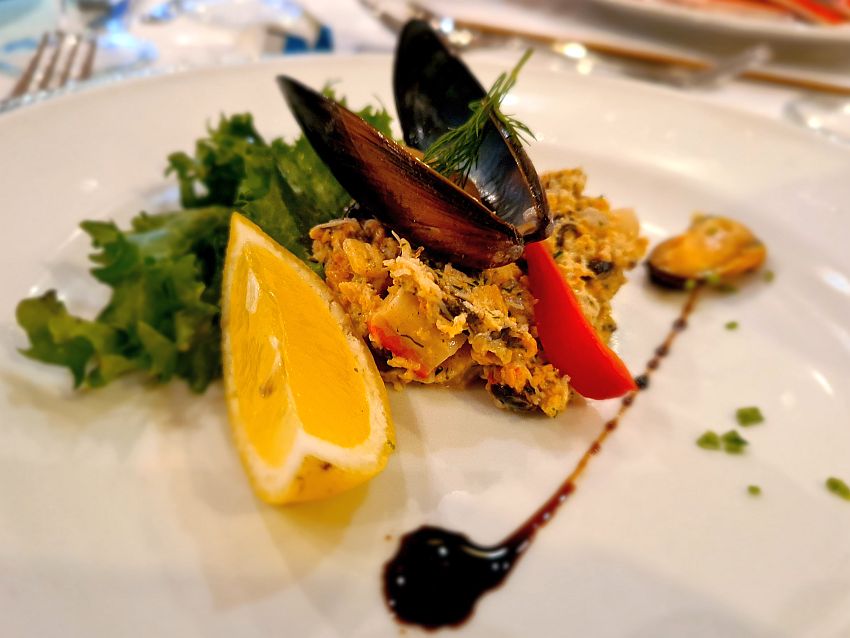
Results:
x,y
297,44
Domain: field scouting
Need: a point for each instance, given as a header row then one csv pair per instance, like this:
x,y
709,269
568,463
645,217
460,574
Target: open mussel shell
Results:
x,y
400,190
433,89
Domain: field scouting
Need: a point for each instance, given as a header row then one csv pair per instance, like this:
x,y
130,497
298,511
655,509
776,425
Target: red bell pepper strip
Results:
x,y
569,341
396,345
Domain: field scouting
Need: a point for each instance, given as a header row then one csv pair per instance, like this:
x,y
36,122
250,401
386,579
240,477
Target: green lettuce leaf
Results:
x,y
165,271
166,282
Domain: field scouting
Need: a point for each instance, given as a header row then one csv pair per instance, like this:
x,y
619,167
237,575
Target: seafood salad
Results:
x,y
430,322
453,259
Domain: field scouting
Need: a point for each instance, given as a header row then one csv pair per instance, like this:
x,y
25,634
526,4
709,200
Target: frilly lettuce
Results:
x,y
165,270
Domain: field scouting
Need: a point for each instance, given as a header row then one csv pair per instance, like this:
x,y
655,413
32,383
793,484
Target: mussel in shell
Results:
x,y
433,89
713,248
483,225
399,189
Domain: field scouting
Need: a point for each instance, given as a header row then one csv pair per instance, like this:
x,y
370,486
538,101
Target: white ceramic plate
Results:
x,y
125,511
732,23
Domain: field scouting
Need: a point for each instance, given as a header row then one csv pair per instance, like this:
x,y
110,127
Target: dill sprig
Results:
x,y
456,152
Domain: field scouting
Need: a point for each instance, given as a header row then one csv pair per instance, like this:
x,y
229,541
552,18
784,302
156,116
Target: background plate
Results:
x,y
125,511
733,23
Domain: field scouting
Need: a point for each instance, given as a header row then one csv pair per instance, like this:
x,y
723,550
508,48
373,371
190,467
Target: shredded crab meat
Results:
x,y
428,322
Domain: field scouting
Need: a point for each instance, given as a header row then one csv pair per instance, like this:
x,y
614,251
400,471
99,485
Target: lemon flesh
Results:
x,y
306,403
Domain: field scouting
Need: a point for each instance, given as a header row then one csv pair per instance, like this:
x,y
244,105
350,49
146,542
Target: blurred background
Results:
x,y
784,59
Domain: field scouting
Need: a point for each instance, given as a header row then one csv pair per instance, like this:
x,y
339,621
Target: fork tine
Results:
x,y
69,62
88,63
54,59
23,83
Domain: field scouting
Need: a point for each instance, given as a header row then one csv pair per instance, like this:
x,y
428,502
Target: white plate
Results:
x,y
732,23
125,511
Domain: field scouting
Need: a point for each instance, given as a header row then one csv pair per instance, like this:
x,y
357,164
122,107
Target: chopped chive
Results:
x,y
709,441
690,284
838,487
731,325
768,276
754,490
713,279
726,288
733,443
748,416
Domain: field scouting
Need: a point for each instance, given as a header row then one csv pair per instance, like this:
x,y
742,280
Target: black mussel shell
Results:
x,y
433,89
402,191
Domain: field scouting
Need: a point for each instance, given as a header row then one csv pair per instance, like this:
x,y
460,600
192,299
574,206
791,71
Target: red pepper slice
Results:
x,y
396,345
569,341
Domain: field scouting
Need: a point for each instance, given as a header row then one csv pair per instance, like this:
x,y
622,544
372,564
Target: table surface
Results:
x,y
187,41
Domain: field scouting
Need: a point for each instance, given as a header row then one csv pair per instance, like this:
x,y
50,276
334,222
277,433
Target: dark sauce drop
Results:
x,y
437,576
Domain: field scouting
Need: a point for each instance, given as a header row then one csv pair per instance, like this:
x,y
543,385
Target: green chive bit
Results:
x,y
713,279
690,284
753,490
749,416
768,276
838,487
731,325
709,441
733,443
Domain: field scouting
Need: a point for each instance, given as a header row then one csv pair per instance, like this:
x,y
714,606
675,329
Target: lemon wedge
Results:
x,y
307,406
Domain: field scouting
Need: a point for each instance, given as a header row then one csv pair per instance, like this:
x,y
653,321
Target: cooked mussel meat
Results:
x,y
713,249
433,90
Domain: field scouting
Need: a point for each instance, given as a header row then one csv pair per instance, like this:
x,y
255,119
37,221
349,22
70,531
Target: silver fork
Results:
x,y
59,59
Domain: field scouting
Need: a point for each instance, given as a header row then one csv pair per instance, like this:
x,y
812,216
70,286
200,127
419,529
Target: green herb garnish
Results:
x,y
713,279
749,416
731,325
838,487
768,276
709,440
165,270
733,443
456,151
754,490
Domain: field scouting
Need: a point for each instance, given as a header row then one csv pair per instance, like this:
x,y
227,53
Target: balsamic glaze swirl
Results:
x,y
437,575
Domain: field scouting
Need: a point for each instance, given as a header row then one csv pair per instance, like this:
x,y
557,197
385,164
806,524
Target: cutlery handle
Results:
x,y
646,55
